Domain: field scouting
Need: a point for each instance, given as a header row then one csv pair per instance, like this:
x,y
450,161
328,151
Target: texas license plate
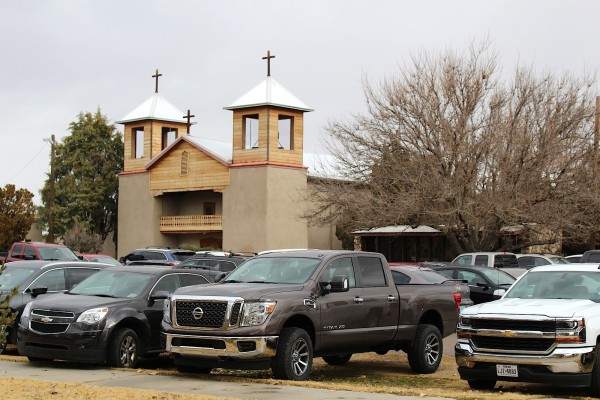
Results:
x,y
507,370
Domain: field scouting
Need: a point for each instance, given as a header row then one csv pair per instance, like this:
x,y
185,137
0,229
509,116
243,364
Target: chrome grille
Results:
x,y
514,325
213,313
519,344
235,313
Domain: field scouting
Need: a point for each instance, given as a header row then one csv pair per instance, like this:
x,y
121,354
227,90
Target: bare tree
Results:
x,y
446,143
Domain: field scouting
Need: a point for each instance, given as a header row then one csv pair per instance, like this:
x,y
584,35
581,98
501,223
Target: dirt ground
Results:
x,y
364,373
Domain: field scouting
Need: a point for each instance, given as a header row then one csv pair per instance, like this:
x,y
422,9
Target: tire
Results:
x,y
294,357
594,389
337,360
425,353
481,384
124,349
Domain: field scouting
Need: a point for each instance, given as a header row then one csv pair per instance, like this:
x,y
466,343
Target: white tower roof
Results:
x,y
156,107
269,93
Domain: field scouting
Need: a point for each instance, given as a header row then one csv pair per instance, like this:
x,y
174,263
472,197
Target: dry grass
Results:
x,y
364,373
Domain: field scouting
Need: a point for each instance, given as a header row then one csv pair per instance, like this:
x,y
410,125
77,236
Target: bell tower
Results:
x,y
268,124
150,128
265,199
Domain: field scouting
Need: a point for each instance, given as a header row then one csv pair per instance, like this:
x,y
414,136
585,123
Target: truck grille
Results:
x,y
518,344
514,325
200,314
235,313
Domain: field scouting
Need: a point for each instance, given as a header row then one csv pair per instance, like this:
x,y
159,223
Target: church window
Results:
x,y
250,131
285,132
168,137
138,142
210,208
184,163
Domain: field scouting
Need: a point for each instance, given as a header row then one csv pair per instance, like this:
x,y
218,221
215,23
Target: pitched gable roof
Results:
x,y
216,149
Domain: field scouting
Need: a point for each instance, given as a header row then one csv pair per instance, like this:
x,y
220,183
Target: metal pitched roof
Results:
x,y
156,107
397,229
269,93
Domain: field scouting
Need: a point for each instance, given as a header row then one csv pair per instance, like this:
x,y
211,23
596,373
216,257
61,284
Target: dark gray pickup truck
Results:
x,y
281,309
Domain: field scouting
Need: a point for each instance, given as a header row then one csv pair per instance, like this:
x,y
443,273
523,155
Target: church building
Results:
x,y
245,193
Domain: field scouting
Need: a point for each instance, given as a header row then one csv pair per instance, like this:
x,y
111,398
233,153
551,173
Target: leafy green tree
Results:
x,y
17,213
86,170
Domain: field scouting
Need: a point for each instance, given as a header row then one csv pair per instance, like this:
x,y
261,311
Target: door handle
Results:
x,y
359,300
391,299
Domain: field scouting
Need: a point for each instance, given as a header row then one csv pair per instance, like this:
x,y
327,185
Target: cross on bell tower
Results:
x,y
156,75
268,58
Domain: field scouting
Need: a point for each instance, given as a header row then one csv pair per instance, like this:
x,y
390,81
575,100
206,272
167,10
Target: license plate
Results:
x,y
507,370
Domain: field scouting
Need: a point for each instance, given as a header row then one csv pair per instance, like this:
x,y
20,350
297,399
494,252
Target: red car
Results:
x,y
21,251
101,258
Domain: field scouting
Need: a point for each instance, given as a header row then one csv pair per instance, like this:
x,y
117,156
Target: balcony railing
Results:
x,y
191,223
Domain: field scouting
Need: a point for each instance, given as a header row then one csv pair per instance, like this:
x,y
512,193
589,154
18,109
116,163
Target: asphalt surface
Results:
x,y
180,383
188,383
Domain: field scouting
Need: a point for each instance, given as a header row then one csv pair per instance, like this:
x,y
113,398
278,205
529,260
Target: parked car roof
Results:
x,y
535,260
103,258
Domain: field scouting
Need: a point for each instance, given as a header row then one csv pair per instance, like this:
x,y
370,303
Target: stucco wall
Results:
x,y
139,215
262,209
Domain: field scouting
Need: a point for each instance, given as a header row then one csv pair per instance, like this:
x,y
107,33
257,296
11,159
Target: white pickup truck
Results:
x,y
545,329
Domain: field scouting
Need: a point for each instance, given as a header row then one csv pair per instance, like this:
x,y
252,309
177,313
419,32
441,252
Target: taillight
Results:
x,y
171,264
457,300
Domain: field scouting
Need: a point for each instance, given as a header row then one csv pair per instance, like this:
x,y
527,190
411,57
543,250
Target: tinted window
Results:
x,y
225,266
17,249
340,266
447,272
371,271
168,283
464,260
191,279
76,275
400,278
506,261
182,255
525,262
593,257
153,255
54,280
471,277
481,260
29,253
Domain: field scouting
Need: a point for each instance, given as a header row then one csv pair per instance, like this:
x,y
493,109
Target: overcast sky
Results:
x,y
60,58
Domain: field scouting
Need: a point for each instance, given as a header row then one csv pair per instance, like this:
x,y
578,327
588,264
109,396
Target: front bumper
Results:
x,y
72,345
221,347
562,367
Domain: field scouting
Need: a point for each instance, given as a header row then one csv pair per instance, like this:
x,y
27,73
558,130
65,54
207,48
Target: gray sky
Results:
x,y
63,57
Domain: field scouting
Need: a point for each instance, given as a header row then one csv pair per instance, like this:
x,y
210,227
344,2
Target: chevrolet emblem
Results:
x,y
46,319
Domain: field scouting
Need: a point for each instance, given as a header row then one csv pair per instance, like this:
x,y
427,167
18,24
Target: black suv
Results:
x,y
114,316
213,265
34,279
157,255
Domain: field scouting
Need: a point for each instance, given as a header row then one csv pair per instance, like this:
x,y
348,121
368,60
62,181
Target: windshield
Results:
x,y
294,270
106,260
432,276
498,276
14,277
558,260
114,284
557,285
57,253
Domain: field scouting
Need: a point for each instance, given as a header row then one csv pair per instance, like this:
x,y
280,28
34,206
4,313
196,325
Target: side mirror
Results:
x,y
160,295
36,291
340,283
499,293
219,277
485,286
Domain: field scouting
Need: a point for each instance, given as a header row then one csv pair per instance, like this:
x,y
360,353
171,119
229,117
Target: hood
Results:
x,y
247,291
552,308
76,303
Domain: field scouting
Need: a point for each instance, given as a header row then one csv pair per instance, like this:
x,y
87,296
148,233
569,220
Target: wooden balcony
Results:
x,y
191,224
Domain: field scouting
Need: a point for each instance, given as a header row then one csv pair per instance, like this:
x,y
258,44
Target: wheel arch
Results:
x,y
301,321
433,317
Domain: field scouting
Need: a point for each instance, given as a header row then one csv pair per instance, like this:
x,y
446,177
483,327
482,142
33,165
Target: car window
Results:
x,y
182,255
340,266
114,283
506,261
17,249
472,278
464,260
371,272
400,278
168,283
225,266
191,279
481,260
57,253
447,272
525,262
14,277
153,255
54,280
538,261
76,275
29,253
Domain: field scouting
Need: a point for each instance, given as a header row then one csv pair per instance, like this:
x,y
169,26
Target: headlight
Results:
x,y
464,321
257,313
167,310
27,310
93,316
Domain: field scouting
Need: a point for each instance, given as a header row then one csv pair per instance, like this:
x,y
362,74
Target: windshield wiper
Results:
x,y
260,282
104,295
231,281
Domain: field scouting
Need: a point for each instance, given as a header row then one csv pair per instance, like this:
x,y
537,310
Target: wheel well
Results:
x,y
433,318
136,326
300,321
